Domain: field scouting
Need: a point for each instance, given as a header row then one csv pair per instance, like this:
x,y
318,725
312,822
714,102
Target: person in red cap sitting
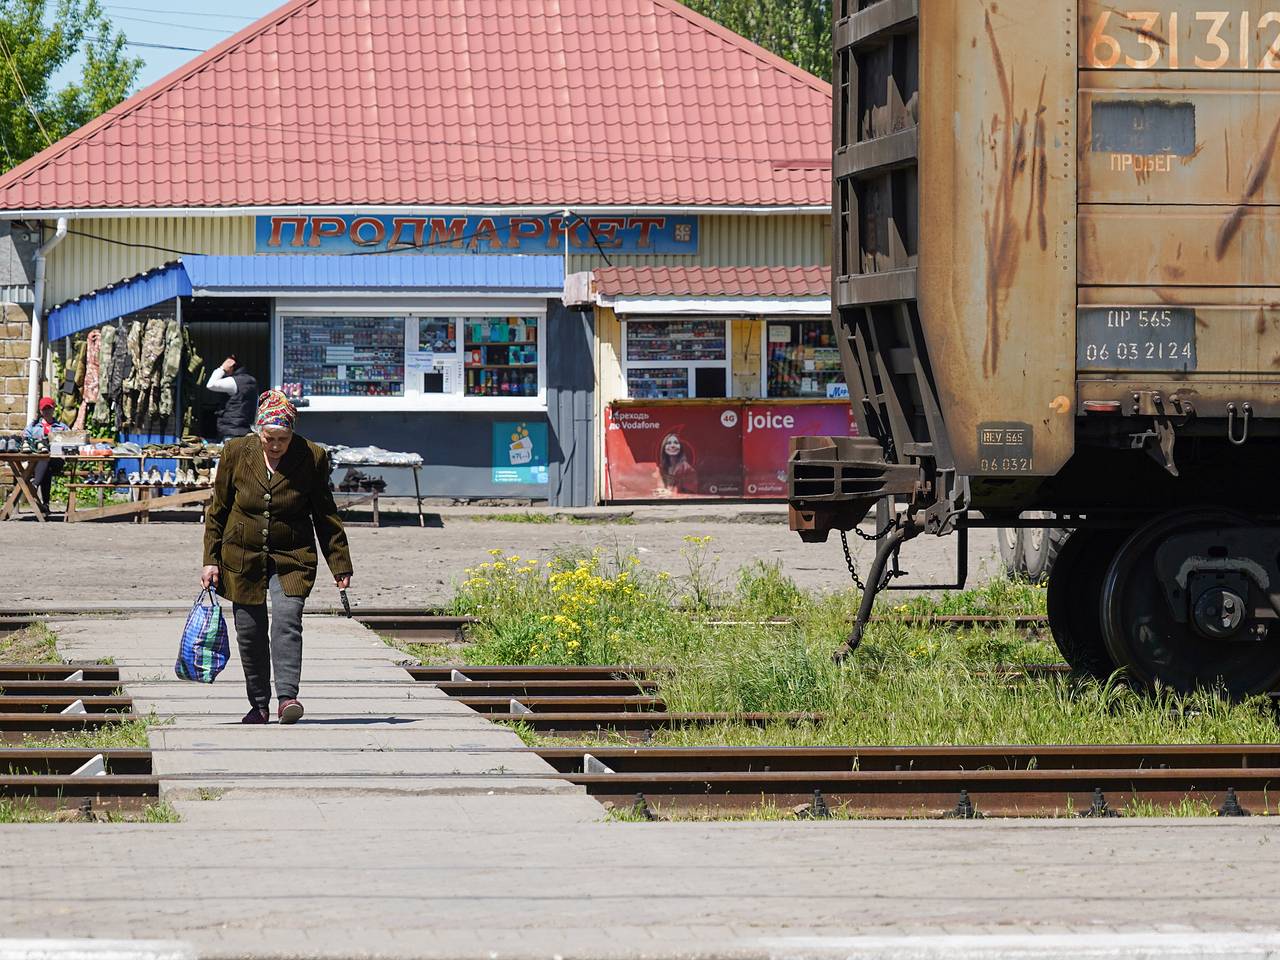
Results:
x,y
43,425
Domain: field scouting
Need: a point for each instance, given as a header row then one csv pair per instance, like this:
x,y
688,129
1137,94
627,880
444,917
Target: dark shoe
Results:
x,y
290,711
257,715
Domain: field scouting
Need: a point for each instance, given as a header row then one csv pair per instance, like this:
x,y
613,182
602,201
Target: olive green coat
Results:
x,y
252,518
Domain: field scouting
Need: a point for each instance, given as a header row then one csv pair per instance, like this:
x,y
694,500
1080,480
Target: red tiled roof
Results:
x,y
450,103
713,281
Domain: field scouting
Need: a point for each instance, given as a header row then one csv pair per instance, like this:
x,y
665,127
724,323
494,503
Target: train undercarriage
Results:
x,y
1178,596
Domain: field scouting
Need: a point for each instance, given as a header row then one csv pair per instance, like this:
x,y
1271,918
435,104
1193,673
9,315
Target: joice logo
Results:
x,y
770,421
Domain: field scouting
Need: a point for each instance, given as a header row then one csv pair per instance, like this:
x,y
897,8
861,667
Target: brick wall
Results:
x,y
15,347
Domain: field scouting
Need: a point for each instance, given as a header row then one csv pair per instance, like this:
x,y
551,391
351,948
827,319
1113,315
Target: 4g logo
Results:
x,y
1199,39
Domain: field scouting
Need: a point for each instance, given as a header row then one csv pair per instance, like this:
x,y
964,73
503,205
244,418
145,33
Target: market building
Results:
x,y
491,234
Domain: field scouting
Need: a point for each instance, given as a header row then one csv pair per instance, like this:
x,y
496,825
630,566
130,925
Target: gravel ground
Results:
x,y
399,565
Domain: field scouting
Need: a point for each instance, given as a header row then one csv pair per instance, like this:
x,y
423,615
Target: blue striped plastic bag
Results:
x,y
205,648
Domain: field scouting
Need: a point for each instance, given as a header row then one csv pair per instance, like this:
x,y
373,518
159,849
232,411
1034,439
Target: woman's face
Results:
x,y
671,447
275,440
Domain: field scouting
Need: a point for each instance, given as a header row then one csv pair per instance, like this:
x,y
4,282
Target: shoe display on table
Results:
x,y
154,476
135,478
122,477
290,711
167,479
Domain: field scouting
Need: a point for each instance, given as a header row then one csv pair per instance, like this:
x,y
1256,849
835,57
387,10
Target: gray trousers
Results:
x,y
280,644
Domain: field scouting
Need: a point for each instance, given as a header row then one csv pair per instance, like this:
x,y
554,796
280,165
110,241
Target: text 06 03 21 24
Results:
x,y
1136,338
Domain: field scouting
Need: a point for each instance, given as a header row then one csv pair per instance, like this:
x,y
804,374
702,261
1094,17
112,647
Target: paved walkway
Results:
x,y
103,564
391,823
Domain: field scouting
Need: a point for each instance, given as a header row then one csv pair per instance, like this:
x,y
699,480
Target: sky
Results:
x,y
181,23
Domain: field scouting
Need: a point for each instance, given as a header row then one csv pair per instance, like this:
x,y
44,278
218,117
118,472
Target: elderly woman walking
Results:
x,y
272,490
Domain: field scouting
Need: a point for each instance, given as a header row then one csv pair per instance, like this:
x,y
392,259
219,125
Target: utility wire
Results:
x,y
163,46
170,23
185,13
401,248
22,88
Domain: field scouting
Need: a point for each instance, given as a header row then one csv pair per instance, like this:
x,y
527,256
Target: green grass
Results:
x,y
24,810
33,644
907,684
131,734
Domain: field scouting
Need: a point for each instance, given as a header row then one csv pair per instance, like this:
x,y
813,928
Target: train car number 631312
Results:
x,y
1194,40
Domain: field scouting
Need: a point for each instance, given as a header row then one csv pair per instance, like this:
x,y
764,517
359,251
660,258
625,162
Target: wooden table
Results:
x,y
23,468
149,496
355,497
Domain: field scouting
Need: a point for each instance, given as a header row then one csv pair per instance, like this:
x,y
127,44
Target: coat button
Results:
x,y
266,497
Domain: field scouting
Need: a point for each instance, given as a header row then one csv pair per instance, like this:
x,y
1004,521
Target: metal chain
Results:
x,y
889,572
853,567
873,537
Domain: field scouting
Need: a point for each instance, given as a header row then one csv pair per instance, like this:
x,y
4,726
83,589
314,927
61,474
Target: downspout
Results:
x,y
37,314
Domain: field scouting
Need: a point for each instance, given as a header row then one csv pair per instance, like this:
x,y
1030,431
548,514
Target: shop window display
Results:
x,y
427,359
500,355
676,359
803,360
657,383
437,353
344,356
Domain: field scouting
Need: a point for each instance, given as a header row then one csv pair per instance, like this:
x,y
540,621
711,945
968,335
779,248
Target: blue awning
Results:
x,y
103,306
405,272
281,274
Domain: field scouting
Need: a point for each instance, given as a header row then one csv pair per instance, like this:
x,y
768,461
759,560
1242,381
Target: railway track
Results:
x,y
858,781
41,702
923,781
579,701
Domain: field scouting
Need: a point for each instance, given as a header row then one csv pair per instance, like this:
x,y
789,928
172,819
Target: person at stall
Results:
x,y
235,415
675,466
271,493
38,432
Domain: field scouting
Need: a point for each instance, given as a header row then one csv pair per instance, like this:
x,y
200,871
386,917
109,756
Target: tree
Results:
x,y
796,30
32,113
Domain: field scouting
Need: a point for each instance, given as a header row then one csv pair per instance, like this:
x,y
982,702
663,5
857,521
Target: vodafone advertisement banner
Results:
x,y
662,452
766,440
732,449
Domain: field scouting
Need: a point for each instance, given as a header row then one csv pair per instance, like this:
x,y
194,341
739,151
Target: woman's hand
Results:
x,y
209,577
343,581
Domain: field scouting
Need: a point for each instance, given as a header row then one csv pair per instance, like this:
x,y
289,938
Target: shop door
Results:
x,y
228,326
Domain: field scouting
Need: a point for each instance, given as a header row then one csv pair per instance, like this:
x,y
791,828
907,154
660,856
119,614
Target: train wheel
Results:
x,y
1009,539
1040,548
1177,605
1074,596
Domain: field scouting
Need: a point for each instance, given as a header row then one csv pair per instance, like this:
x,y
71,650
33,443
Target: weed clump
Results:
x,y
760,644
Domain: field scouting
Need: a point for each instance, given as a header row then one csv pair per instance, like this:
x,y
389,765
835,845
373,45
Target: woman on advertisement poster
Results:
x,y
675,465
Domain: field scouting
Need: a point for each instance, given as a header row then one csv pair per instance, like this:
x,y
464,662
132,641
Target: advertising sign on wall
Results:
x,y
766,439
678,451
719,449
337,234
519,453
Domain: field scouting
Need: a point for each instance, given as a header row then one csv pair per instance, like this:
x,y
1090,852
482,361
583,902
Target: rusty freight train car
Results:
x,y
1056,290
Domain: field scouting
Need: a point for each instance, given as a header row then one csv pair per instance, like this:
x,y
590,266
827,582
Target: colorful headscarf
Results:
x,y
275,410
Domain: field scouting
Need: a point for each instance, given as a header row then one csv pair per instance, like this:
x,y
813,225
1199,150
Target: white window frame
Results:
x,y
690,366
764,353
412,309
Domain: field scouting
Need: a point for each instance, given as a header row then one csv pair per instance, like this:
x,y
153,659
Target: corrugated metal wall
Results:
x,y
99,252
571,406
